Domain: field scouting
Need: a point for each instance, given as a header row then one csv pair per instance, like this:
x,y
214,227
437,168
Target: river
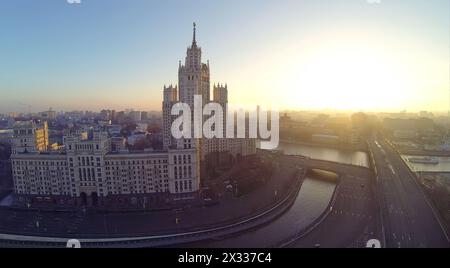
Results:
x,y
312,200
323,153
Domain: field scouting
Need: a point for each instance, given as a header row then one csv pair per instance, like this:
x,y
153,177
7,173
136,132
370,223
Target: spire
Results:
x,y
194,42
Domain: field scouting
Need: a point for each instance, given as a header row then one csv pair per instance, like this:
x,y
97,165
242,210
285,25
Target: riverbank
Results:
x,y
417,152
440,164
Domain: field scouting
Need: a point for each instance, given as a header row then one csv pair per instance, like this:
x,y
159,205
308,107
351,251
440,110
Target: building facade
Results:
x,y
88,170
194,79
30,136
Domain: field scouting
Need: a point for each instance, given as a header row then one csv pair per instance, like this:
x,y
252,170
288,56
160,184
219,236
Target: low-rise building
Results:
x,y
6,135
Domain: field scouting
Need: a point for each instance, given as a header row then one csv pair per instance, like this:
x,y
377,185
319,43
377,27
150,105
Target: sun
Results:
x,y
348,79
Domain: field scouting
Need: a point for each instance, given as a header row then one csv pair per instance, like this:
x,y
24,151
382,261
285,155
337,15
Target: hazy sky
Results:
x,y
345,54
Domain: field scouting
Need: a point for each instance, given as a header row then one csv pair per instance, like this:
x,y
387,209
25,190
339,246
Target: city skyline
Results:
x,y
179,159
60,57
225,124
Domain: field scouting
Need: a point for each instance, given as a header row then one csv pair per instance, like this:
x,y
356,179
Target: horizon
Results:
x,y
281,111
92,57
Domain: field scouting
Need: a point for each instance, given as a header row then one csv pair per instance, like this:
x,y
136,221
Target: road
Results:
x,y
408,218
352,220
94,224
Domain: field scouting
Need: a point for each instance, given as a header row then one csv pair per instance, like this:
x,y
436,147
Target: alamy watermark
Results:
x,y
213,120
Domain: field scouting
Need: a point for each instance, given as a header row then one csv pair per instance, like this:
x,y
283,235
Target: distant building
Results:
x,y
114,130
118,145
104,123
141,127
30,137
170,97
106,115
135,116
6,180
135,138
120,117
405,134
144,116
6,135
425,114
420,124
48,115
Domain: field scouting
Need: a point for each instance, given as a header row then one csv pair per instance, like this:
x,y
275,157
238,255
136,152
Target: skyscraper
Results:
x,y
194,79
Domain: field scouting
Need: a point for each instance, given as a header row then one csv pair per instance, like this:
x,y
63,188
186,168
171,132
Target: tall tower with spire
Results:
x,y
196,153
194,76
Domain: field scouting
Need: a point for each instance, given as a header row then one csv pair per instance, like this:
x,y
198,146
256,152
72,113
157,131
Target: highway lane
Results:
x,y
352,220
408,219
